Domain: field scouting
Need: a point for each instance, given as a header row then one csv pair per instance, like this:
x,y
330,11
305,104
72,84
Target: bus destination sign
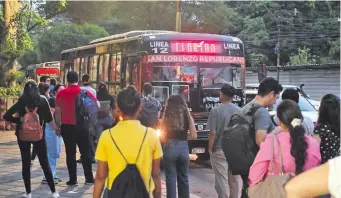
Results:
x,y
195,47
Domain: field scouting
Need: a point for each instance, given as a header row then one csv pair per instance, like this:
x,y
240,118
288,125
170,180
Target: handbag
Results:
x,y
272,186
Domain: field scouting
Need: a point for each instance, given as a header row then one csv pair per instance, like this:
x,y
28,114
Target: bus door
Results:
x,y
131,72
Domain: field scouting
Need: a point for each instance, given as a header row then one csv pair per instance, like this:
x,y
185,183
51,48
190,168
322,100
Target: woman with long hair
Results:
x,y
106,112
31,100
176,123
299,151
53,142
327,130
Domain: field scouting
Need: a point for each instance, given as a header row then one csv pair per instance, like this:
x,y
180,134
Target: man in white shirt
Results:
x,y
86,86
292,94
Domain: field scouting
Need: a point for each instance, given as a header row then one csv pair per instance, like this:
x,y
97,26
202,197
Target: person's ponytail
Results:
x,y
298,146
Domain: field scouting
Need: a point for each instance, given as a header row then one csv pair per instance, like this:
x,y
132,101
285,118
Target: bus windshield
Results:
x,y
199,84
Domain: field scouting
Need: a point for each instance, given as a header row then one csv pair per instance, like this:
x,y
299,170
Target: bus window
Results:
x,y
114,89
68,67
161,93
106,68
84,65
112,71
118,67
76,64
93,68
100,68
136,76
182,90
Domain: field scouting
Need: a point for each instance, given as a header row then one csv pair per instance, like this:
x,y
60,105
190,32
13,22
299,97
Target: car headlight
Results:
x,y
158,132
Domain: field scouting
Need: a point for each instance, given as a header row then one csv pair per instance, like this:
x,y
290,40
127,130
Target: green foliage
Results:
x,y
303,57
65,36
25,20
14,76
10,92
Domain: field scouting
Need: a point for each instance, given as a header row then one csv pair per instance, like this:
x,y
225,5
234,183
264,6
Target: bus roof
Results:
x,y
150,35
128,35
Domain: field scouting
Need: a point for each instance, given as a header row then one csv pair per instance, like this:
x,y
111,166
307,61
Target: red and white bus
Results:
x,y
49,69
190,64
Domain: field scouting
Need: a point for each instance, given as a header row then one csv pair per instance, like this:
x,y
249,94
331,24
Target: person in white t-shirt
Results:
x,y
318,181
86,86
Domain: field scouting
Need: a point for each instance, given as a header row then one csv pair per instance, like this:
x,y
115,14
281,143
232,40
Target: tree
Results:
x,y
65,36
15,26
312,24
303,57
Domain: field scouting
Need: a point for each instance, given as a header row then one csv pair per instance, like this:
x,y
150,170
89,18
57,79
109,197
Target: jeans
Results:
x,y
226,184
72,137
91,143
25,151
176,161
101,125
54,148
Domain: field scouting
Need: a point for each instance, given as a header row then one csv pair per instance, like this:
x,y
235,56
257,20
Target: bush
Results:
x,y
10,92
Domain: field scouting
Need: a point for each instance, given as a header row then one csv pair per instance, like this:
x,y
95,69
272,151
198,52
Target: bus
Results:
x,y
49,69
191,64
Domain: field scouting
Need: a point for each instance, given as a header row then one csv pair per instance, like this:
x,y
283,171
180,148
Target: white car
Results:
x,y
315,103
305,105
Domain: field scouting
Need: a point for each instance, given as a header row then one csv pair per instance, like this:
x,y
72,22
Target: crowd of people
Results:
x,y
128,152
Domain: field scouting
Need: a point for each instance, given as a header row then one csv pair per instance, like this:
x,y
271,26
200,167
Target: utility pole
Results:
x,y
278,39
178,16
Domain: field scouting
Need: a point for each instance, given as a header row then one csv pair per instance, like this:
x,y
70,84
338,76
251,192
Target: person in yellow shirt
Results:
x,y
129,135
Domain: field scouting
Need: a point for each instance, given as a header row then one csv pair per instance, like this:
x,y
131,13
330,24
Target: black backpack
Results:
x,y
148,115
238,142
129,183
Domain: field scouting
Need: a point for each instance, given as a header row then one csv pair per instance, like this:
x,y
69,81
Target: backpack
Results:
x,y
104,110
86,110
31,130
238,142
129,183
148,115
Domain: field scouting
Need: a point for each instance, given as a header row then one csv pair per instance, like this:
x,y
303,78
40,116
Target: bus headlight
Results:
x,y
158,132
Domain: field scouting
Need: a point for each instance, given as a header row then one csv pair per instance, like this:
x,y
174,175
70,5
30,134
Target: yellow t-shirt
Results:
x,y
128,136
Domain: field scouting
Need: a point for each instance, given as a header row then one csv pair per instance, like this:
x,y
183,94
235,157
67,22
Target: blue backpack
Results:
x,y
86,110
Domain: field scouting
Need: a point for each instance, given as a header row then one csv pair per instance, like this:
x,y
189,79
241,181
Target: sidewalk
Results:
x,y
12,185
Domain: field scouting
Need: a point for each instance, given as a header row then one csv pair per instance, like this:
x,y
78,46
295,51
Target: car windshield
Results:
x,y
303,104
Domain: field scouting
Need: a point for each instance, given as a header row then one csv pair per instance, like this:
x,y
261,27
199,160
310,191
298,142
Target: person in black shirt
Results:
x,y
31,99
106,115
176,122
327,131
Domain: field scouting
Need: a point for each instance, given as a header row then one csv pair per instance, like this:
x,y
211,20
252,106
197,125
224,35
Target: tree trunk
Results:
x,y
5,66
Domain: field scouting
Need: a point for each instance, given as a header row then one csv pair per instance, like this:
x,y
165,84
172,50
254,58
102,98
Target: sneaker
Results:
x,y
44,181
55,195
27,195
72,183
58,179
90,182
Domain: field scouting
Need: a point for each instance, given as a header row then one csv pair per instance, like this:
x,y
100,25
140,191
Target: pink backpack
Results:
x,y
31,130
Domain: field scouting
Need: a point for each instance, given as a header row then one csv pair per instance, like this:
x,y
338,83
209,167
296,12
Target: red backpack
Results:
x,y
31,130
